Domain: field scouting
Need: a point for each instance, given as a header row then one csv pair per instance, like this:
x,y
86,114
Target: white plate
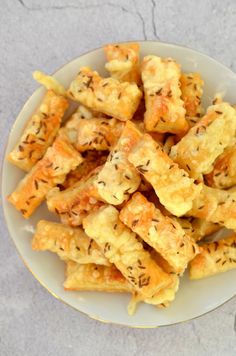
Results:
x,y
194,297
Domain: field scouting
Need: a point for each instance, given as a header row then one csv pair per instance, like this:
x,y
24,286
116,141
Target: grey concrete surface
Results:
x,y
44,35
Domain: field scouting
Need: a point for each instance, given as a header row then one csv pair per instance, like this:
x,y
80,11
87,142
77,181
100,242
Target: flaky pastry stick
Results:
x,y
161,232
99,134
49,82
118,178
121,247
92,277
223,174
123,61
172,185
67,242
192,90
39,132
215,205
198,149
165,110
168,143
164,297
74,203
106,95
216,257
51,170
92,160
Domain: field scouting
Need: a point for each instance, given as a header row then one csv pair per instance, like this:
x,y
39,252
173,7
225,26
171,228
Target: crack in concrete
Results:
x,y
141,19
22,3
197,335
88,7
154,28
69,6
143,24
235,323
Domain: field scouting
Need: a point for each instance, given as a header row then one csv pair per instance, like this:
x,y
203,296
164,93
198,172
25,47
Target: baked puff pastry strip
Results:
x,y
121,247
118,178
74,203
49,82
106,95
172,184
92,277
99,134
165,296
216,257
168,143
192,90
202,228
223,175
165,110
198,149
123,61
92,160
185,223
39,132
68,243
51,170
196,228
216,206
161,232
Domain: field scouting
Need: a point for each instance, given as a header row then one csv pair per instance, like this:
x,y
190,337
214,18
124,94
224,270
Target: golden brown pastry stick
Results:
x,y
81,114
118,178
202,228
99,134
218,99
223,174
106,95
123,61
51,170
39,132
232,189
49,82
216,257
185,223
92,160
161,232
139,123
92,277
192,90
172,185
165,110
74,203
84,113
217,206
122,248
198,149
163,297
168,143
67,243
197,229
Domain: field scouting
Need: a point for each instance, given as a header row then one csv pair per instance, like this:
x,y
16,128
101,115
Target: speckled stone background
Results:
x,y
44,35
